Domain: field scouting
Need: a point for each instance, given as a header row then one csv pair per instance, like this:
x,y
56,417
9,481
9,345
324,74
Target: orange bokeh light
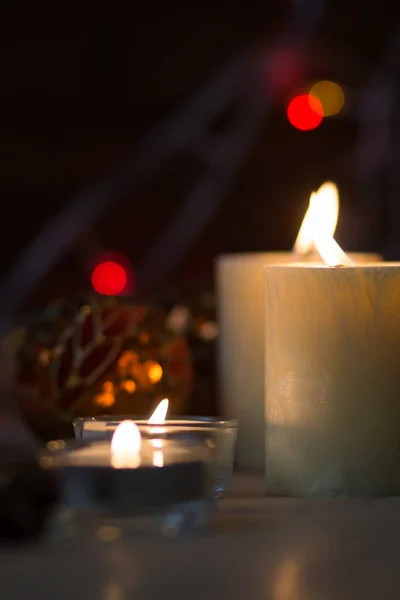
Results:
x,y
154,371
129,386
331,96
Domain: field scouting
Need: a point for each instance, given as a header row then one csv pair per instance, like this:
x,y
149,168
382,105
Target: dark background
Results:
x,y
83,82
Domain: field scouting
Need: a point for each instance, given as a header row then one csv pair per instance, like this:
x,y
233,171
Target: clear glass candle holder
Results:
x,y
218,434
165,490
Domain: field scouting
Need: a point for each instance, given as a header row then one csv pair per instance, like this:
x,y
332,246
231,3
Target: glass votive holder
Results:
x,y
163,489
218,434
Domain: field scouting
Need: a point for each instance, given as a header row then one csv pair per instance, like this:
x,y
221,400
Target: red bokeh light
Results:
x,y
109,278
305,112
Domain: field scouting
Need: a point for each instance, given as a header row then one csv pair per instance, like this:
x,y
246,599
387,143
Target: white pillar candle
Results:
x,y
333,380
241,361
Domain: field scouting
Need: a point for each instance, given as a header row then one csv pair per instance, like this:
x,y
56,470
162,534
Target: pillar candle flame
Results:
x,y
125,446
324,204
319,226
322,213
330,251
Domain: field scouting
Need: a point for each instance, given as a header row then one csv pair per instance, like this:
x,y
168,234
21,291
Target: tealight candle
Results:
x,y
132,474
241,306
161,435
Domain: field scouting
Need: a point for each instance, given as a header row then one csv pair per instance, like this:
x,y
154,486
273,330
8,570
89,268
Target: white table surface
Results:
x,y
257,548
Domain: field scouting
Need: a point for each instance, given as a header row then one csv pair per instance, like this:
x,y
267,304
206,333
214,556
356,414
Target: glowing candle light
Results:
x,y
158,418
125,446
160,413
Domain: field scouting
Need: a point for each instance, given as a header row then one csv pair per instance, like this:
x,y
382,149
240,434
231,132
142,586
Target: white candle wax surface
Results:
x,y
241,360
333,380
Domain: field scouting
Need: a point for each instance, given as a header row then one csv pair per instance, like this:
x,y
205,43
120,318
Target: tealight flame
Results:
x,y
322,215
160,413
125,445
158,418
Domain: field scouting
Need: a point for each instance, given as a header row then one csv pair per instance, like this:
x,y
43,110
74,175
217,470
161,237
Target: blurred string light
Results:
x,y
305,112
330,95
